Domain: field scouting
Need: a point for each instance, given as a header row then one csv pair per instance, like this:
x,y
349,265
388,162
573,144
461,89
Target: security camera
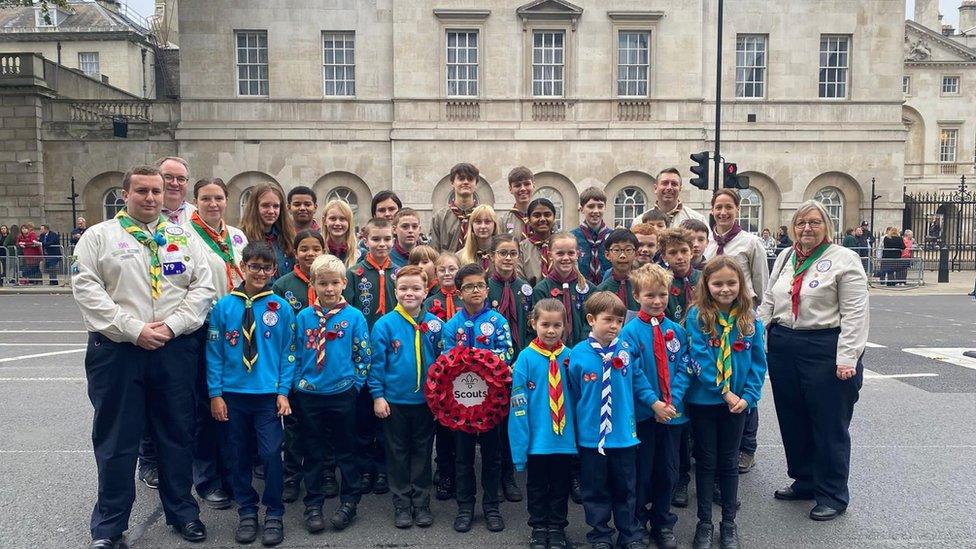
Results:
x,y
27,162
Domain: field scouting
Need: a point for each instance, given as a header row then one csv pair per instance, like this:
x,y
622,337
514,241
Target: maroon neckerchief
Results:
x,y
686,286
484,257
524,219
400,250
566,292
723,240
506,305
595,239
543,245
464,218
338,250
621,286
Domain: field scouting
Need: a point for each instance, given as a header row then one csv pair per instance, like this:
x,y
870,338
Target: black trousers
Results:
x,y
491,467
684,455
547,490
369,436
445,445
133,390
750,432
814,410
254,417
657,472
293,450
609,486
505,451
208,471
333,418
408,434
717,433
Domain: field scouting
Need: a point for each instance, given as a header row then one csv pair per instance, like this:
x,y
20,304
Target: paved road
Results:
x,y
912,481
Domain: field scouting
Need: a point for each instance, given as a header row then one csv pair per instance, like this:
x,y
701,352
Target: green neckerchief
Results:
x,y
151,241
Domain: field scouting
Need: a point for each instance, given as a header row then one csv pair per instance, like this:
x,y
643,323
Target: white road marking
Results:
x,y
42,379
952,355
45,451
45,331
874,345
40,355
41,344
897,376
40,322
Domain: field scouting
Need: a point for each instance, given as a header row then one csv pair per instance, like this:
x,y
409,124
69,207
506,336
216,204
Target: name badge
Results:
x,y
174,268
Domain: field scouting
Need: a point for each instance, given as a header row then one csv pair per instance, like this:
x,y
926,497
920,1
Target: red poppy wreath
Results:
x,y
442,397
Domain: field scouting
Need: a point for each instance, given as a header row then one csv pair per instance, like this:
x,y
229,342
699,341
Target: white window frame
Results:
x,y
250,64
906,84
751,56
469,84
117,205
96,64
951,84
835,59
948,145
751,210
629,203
347,195
633,73
556,77
833,201
343,70
556,197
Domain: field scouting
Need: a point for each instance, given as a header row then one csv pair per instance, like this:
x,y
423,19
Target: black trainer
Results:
x,y
463,520
539,539
274,532
150,477
493,519
247,529
557,539
422,516
728,537
314,521
703,535
402,518
664,538
343,516
382,484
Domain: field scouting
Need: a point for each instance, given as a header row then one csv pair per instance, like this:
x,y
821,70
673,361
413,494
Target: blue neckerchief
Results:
x,y
600,349
469,330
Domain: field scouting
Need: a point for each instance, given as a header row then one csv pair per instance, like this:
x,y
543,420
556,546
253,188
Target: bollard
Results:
x,y
943,265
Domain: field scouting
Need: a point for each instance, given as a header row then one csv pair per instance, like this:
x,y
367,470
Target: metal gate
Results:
x,y
944,219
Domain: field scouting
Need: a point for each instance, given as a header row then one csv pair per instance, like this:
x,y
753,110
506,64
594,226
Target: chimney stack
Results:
x,y
967,17
927,14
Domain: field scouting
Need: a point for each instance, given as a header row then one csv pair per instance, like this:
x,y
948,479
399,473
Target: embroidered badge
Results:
x,y
231,337
396,346
237,239
487,329
174,230
518,401
824,265
588,377
270,318
814,283
530,385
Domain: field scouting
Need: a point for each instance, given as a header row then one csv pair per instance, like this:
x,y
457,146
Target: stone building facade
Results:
x,y
351,97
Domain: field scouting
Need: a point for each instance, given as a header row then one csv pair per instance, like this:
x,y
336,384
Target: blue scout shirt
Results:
x,y
586,252
529,422
627,383
640,336
748,364
484,330
347,355
275,332
393,371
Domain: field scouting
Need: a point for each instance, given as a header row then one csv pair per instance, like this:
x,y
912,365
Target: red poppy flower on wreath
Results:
x,y
423,327
617,362
669,335
439,390
330,335
556,292
675,291
272,306
738,345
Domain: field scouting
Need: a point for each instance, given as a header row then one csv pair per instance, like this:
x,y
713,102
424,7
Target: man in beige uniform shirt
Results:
x,y
667,192
143,289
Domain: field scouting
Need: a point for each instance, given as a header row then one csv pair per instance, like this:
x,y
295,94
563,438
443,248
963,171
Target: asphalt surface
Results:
x,y
914,450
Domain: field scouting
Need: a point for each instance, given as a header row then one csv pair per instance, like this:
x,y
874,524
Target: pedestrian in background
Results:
x,y
51,248
29,247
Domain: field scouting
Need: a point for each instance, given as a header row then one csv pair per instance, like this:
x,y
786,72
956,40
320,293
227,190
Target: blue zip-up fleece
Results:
x,y
484,330
748,365
347,355
275,335
529,422
393,370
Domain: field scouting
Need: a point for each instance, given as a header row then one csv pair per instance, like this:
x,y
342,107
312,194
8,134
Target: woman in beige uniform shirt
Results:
x,y
816,307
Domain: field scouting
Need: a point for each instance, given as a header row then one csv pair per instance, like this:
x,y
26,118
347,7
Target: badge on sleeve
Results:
x,y
814,283
434,325
270,318
673,345
526,290
824,265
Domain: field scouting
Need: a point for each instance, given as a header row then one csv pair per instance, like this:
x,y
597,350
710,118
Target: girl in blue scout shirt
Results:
x,y
541,425
659,347
565,283
405,342
250,366
477,326
604,382
333,362
729,359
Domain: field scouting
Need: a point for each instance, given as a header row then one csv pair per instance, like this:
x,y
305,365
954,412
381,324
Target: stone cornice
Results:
x,y
635,16
461,14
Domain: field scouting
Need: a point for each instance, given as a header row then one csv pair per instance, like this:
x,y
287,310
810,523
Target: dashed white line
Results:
x,y
42,379
42,344
952,355
874,345
45,331
897,376
40,355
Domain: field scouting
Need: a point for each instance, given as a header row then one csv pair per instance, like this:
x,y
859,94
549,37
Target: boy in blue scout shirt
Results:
x,y
541,425
605,382
370,288
250,366
659,346
728,357
405,342
477,326
333,364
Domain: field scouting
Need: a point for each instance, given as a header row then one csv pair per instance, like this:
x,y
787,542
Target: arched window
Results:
x,y
113,202
245,196
750,211
833,202
627,205
557,201
346,194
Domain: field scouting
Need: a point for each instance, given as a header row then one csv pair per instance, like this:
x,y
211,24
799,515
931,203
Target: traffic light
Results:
x,y
700,170
732,180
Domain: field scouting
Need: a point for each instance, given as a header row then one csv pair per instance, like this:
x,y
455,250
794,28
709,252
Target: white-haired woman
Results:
x,y
816,308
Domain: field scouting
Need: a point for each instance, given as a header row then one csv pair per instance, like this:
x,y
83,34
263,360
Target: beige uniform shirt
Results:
x,y
530,262
512,225
181,215
684,213
444,229
834,293
110,281
749,252
214,261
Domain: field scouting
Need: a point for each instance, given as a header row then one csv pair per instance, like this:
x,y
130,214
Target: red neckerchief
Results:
x,y
595,239
566,292
660,354
381,269
506,305
801,265
464,217
308,283
722,240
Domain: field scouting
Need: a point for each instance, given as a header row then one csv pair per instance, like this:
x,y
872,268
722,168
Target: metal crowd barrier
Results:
x,y
903,273
20,270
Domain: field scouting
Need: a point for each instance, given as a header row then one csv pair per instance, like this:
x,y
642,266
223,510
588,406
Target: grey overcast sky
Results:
x,y
949,8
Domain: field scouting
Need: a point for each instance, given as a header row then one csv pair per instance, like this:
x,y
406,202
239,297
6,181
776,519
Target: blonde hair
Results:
x,y
468,253
708,308
350,241
806,207
444,256
253,227
580,279
649,276
328,264
421,252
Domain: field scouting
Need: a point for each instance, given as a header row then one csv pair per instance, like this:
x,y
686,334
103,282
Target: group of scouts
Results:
x,y
622,343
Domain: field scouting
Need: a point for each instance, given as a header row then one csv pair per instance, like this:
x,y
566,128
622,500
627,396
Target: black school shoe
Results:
x,y
539,539
382,484
274,532
314,521
680,497
422,516
193,531
463,520
825,512
703,535
510,488
366,483
402,517
446,489
343,516
789,494
291,492
575,490
330,486
118,542
493,520
150,477
664,538
557,538
247,529
728,537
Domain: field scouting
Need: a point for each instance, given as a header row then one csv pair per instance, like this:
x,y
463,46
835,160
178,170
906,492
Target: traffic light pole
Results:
x,y
718,98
